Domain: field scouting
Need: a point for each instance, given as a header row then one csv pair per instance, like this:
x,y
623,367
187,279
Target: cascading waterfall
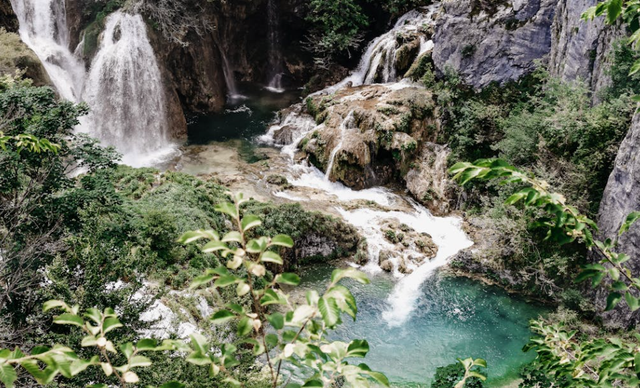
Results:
x,y
347,123
275,50
125,92
446,232
378,61
43,27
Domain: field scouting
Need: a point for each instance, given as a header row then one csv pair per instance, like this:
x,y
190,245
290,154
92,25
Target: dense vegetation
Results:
x,y
78,228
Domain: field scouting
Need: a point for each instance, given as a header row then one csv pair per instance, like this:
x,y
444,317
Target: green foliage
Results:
x,y
337,28
461,374
572,362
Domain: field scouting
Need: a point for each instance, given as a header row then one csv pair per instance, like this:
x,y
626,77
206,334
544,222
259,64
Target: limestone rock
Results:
x,y
621,197
428,180
17,56
580,49
369,133
495,41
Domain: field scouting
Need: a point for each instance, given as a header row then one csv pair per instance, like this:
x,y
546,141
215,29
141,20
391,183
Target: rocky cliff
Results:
x,y
621,197
496,41
580,49
8,19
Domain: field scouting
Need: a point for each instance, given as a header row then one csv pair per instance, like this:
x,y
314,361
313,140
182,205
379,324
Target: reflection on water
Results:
x,y
455,318
243,118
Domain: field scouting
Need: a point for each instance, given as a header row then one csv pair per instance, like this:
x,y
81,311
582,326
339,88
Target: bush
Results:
x,y
448,376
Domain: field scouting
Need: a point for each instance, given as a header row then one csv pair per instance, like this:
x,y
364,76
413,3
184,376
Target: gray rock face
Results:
x,y
495,43
621,197
580,49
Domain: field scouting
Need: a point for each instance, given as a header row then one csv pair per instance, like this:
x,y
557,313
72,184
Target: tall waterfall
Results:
x,y
125,91
43,27
275,50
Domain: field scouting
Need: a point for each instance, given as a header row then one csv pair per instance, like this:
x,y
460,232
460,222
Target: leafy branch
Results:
x,y
564,224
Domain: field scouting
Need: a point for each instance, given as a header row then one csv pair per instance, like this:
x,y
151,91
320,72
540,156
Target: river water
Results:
x,y
413,323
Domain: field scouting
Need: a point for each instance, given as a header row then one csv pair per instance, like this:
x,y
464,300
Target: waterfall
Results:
x,y
347,123
43,27
125,92
378,61
275,50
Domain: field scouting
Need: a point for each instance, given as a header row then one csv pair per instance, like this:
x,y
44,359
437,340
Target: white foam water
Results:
x,y
125,92
378,61
446,232
43,27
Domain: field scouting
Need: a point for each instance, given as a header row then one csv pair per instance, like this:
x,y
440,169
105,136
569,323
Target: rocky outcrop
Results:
x,y
495,41
580,48
369,134
16,56
621,197
8,19
428,179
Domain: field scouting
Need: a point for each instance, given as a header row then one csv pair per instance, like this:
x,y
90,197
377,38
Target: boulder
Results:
x,y
369,133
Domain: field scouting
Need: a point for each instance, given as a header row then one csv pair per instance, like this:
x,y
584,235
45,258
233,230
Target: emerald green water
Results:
x,y
455,317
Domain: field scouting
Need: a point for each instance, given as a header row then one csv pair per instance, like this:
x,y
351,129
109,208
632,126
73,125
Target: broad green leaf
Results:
x,y
250,221
351,273
313,384
632,301
214,246
358,348
282,240
111,324
139,361
227,208
631,219
51,304
276,320
68,319
196,235
225,281
222,316
612,300
288,278
8,375
271,257
613,10
329,310
199,343
244,327
201,281
232,237
146,344
127,349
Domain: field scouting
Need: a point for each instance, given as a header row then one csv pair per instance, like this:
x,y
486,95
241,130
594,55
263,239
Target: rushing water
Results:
x,y
275,54
378,61
123,88
43,27
125,91
455,318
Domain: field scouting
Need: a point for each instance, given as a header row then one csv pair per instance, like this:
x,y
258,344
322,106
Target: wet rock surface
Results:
x,y
369,133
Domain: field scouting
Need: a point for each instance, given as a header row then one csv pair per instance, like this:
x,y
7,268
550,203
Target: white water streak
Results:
x,y
125,91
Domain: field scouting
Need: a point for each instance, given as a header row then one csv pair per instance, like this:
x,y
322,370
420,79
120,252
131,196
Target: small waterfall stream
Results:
x,y
378,60
275,50
43,27
347,123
